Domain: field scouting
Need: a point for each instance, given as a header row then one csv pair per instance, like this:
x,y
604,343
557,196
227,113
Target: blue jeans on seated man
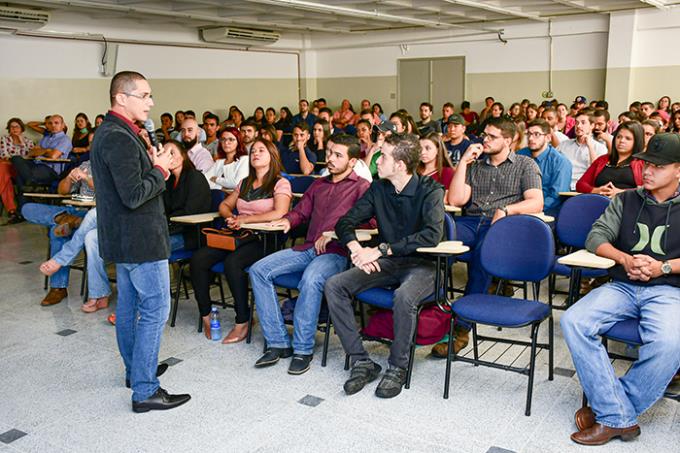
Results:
x,y
86,236
617,402
44,214
317,269
472,231
141,312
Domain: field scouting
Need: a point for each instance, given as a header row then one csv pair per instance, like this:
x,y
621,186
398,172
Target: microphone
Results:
x,y
151,129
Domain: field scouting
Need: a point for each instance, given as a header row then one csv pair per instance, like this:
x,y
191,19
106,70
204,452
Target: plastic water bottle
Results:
x,y
215,328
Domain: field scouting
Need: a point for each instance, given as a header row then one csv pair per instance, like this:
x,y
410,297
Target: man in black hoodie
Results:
x,y
409,210
639,231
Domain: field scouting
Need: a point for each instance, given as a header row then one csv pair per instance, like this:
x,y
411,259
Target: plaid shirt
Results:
x,y
497,187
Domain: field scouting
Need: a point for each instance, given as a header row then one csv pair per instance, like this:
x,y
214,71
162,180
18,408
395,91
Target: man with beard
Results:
x,y
555,168
499,184
319,258
582,150
198,155
248,134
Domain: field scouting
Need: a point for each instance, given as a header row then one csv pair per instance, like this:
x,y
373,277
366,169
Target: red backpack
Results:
x,y
433,325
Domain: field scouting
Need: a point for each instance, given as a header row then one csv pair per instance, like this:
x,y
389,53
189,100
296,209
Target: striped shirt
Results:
x,y
496,187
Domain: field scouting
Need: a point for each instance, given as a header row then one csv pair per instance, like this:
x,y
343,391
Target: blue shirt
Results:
x,y
556,176
59,141
291,159
456,151
310,120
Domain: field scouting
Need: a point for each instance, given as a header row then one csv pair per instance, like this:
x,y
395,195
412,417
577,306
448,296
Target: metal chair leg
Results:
x,y
551,347
532,365
83,279
346,361
175,301
326,339
475,350
447,376
219,285
412,350
250,322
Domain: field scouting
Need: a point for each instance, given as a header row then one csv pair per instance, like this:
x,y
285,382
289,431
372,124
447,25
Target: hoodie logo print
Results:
x,y
645,239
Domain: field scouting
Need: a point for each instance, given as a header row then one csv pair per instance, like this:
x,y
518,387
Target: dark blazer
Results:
x,y
191,196
131,220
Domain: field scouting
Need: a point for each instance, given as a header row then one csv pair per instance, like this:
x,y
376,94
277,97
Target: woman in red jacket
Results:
x,y
617,171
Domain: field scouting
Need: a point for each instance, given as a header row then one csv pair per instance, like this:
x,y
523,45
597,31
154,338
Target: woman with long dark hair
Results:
x,y
261,197
619,170
434,160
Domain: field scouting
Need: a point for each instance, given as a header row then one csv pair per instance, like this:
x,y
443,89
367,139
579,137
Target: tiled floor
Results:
x,y
66,392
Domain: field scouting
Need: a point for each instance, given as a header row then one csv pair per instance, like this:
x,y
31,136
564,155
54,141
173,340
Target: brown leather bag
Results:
x,y
226,238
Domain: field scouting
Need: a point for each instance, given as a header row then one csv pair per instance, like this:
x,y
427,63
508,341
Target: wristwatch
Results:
x,y
666,268
504,209
384,247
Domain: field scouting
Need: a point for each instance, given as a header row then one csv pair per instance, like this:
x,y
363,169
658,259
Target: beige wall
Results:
x,y
32,99
506,87
650,83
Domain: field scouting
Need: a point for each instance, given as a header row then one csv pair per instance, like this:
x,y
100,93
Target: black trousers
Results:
x,y
415,280
234,264
28,172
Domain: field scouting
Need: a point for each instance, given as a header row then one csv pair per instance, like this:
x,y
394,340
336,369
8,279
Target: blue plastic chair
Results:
x,y
384,298
518,248
574,222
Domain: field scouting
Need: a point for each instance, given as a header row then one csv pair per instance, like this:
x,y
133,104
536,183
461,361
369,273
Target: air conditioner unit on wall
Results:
x,y
22,19
240,36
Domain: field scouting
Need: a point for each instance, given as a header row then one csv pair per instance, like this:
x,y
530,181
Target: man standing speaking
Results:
x,y
133,233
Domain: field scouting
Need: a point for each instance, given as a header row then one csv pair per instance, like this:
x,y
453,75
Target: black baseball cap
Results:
x,y
456,118
580,100
386,126
662,149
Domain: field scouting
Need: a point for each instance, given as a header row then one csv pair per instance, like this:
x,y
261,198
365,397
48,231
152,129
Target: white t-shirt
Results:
x,y
579,156
360,168
228,176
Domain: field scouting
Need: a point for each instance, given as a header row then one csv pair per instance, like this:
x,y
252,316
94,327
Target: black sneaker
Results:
x,y
363,372
300,363
15,218
391,383
272,355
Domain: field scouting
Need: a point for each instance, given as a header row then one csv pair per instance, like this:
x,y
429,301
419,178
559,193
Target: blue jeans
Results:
x,y
317,269
44,214
141,312
617,402
472,231
86,236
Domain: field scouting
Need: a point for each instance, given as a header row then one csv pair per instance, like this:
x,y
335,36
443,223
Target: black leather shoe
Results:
x,y
300,363
162,368
160,401
272,355
363,372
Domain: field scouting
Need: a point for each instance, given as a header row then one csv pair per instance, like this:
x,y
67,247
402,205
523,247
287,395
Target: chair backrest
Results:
x,y
300,184
449,227
519,247
216,197
577,216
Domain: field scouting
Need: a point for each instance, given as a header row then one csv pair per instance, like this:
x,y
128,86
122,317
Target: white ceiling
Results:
x,y
342,16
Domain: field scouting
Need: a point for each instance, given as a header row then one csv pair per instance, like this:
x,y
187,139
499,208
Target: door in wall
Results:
x,y
435,80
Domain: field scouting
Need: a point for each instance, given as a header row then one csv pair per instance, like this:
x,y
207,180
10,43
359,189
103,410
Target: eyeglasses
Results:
x,y
535,134
143,97
488,137
227,139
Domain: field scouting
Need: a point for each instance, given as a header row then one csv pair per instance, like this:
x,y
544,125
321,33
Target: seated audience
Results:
x,y
379,115
320,257
55,144
186,193
583,150
200,157
81,138
61,222
98,287
344,116
456,140
304,116
409,210
471,117
211,126
264,195
270,116
14,144
434,160
320,134
360,167
499,184
619,170
555,168
298,158
601,133
249,130
284,126
565,123
651,128
178,133
645,287
426,123
556,137
364,131
163,133
231,166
